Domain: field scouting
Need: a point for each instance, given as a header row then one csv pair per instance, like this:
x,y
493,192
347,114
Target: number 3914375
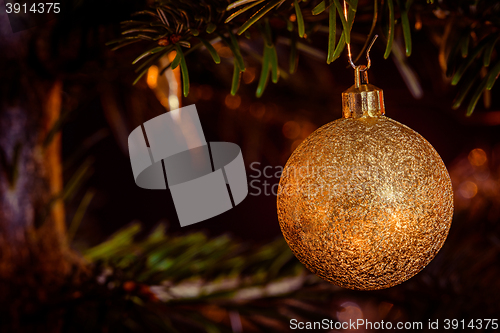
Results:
x,y
40,8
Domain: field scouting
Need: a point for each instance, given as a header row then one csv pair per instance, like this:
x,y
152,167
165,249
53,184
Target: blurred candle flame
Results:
x,y
152,78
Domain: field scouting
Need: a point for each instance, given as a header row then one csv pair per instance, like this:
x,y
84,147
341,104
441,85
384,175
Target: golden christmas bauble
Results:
x,y
365,202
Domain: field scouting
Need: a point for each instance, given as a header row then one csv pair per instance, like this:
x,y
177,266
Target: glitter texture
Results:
x,y
365,203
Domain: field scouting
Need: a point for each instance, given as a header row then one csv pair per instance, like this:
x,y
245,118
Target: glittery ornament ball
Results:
x,y
365,203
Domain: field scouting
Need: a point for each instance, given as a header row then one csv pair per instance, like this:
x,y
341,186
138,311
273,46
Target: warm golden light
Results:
x,y
365,202
350,311
206,92
295,144
164,101
477,157
418,22
291,129
306,129
249,75
468,189
225,52
368,202
384,308
257,110
152,77
233,102
194,93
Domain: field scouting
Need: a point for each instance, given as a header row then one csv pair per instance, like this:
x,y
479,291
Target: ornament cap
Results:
x,y
362,99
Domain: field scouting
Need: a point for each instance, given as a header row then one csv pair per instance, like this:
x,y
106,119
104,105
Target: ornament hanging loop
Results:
x,y
369,62
360,75
361,71
363,99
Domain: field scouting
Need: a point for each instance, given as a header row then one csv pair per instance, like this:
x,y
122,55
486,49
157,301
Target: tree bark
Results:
x,y
35,260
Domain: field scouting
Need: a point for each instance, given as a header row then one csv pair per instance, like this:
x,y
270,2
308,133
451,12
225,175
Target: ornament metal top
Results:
x,y
365,202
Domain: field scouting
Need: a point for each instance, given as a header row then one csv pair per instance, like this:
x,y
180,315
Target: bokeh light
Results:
x,y
291,129
257,110
249,75
350,312
206,92
232,102
152,78
468,189
295,144
477,157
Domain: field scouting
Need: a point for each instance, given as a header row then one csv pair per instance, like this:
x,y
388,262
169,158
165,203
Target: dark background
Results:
x,y
460,283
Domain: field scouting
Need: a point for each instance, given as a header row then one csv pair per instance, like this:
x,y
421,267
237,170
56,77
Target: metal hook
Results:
x,y
369,64
369,61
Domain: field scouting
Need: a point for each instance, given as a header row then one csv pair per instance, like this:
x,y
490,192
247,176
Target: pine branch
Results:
x,y
180,278
171,24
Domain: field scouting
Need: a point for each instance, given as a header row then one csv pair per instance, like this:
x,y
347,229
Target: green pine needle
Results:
x,y
332,31
488,51
239,3
211,49
273,58
184,71
177,59
236,79
264,75
493,75
211,28
470,58
345,27
340,47
475,97
258,15
405,22
320,8
390,32
235,47
241,11
300,18
149,52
